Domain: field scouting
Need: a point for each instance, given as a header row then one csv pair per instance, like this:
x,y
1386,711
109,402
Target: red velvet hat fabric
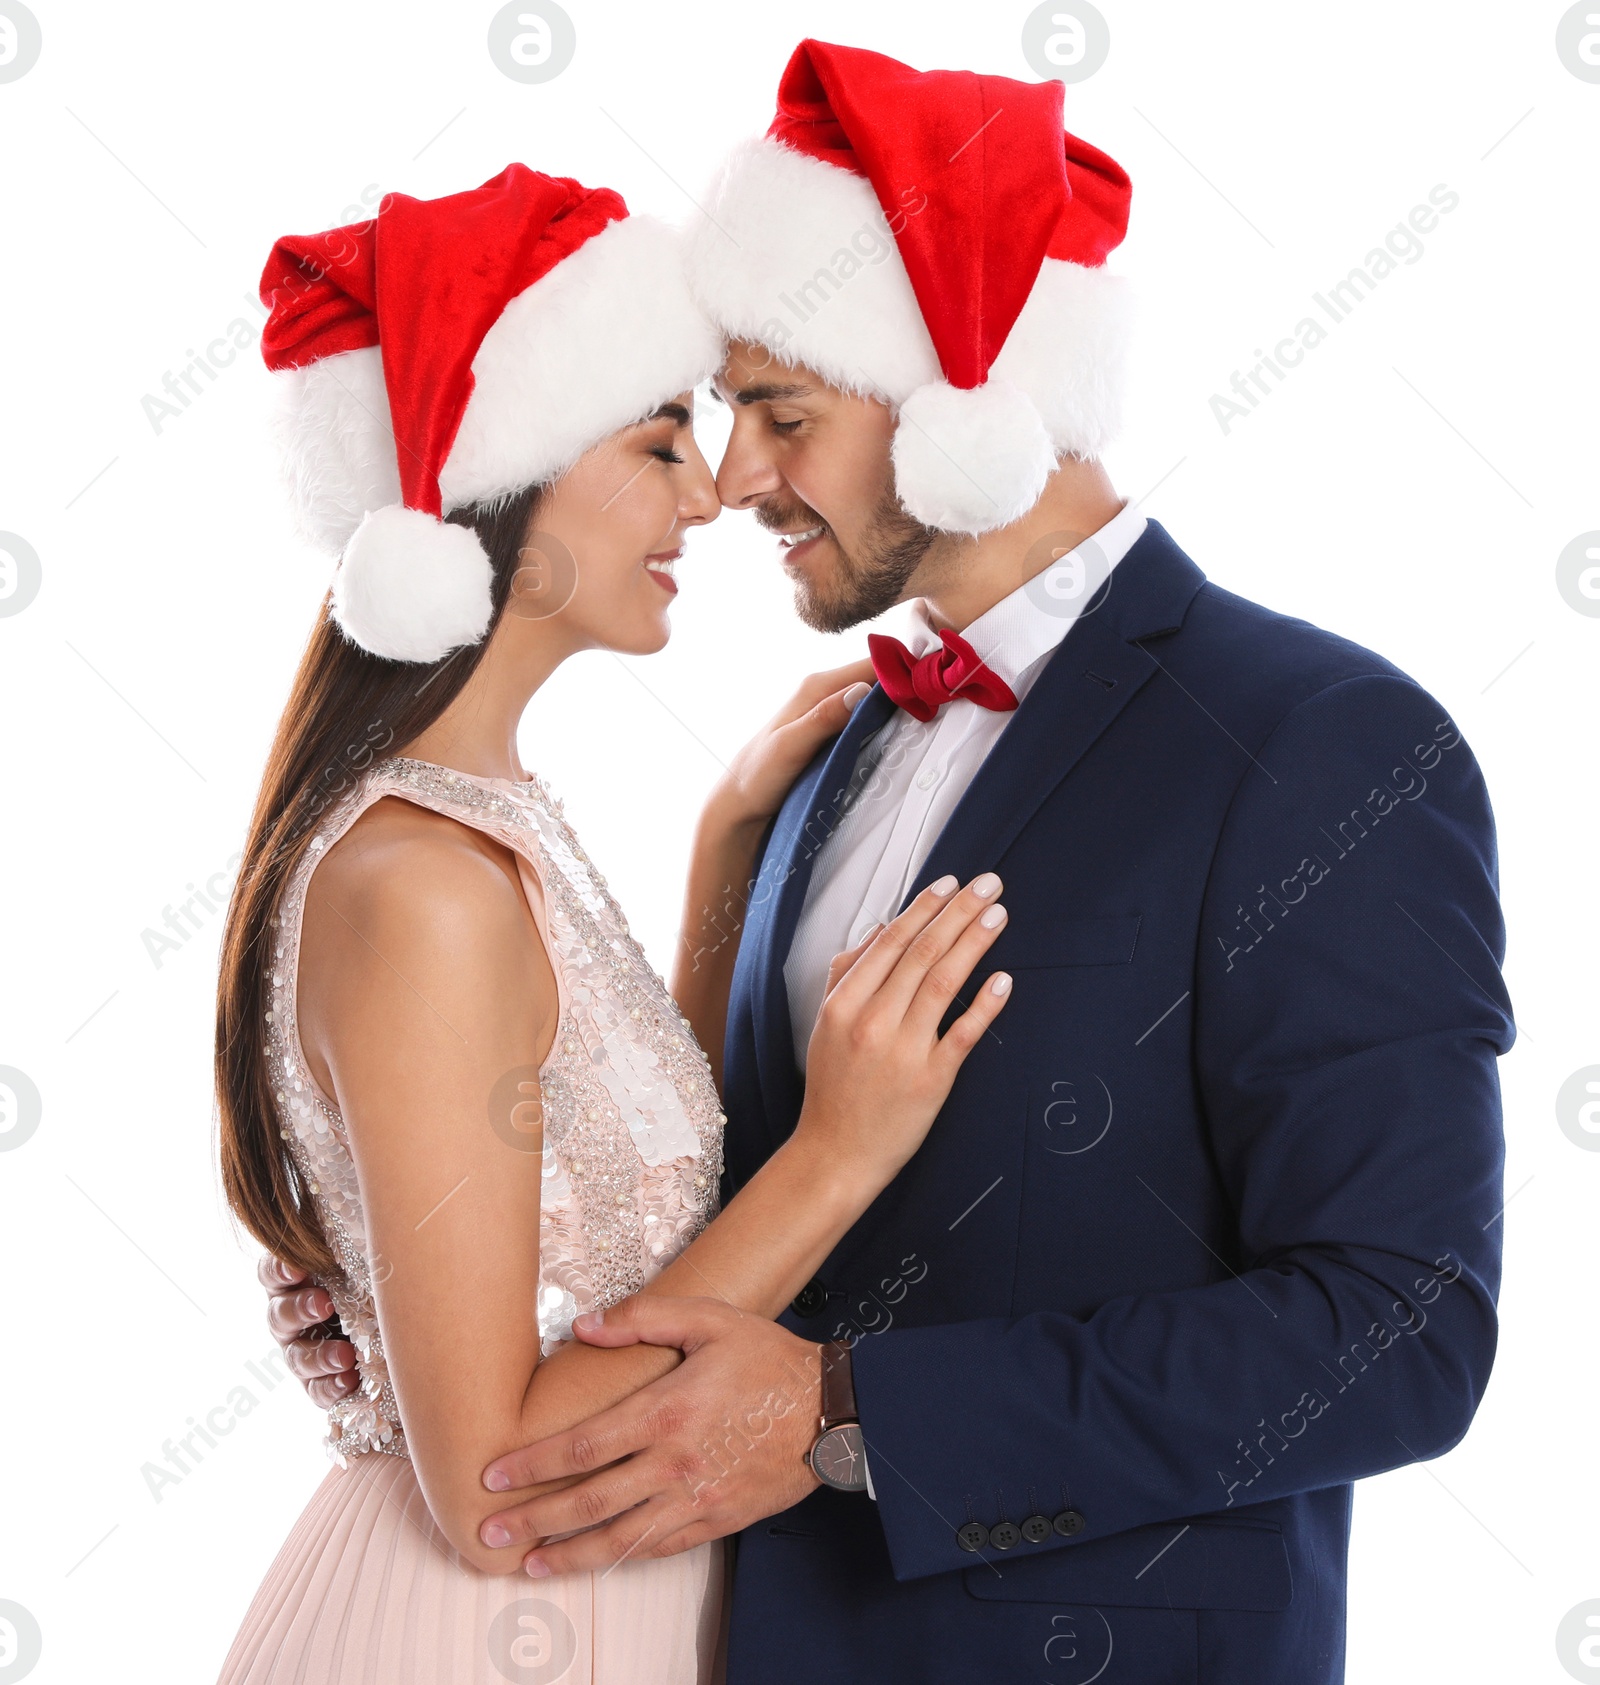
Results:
x,y
425,279
976,175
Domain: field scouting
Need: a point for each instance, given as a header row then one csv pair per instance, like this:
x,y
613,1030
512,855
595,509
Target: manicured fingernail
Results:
x,y
986,886
497,1480
589,1321
496,1535
536,1569
855,693
1000,984
871,933
993,918
945,886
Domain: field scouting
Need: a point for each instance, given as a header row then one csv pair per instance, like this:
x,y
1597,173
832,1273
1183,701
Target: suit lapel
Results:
x,y
1095,672
809,817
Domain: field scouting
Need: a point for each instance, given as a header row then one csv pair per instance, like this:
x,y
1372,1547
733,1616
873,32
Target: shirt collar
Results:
x,y
1011,636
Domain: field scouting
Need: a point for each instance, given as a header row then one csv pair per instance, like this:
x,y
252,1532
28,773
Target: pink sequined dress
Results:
x,y
366,1591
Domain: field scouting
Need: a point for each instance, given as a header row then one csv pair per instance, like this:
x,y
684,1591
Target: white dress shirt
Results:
x,y
914,772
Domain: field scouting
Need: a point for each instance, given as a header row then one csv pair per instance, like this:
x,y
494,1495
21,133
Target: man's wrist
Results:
x,y
838,1456
838,1385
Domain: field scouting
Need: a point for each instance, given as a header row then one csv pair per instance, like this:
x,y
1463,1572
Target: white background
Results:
x,y
1410,485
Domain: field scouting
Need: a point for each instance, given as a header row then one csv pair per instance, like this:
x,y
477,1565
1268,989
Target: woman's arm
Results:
x,y
722,866
727,844
424,983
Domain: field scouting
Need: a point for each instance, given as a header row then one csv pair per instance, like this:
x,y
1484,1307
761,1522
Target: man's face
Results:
x,y
813,463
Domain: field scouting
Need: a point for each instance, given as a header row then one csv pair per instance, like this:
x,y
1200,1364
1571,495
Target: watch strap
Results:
x,y
838,1385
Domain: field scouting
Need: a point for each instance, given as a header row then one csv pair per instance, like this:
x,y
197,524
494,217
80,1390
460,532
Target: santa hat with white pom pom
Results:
x,y
452,352
935,240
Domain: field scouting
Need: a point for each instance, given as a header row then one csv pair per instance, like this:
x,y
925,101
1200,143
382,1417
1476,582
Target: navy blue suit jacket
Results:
x,y
1207,1228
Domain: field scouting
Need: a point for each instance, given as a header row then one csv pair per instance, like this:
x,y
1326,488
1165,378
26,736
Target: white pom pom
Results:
x,y
412,588
970,461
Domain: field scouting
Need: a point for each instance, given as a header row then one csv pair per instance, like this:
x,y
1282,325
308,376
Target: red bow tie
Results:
x,y
922,687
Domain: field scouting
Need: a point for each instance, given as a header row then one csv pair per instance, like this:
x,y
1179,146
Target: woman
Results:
x,y
451,1087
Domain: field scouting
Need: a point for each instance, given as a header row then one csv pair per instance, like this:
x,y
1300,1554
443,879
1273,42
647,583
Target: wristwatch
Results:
x,y
838,1457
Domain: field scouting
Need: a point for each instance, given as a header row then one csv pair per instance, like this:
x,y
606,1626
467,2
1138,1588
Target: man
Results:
x,y
1206,1231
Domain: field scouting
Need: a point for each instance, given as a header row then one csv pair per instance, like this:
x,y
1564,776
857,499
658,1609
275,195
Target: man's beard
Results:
x,y
865,582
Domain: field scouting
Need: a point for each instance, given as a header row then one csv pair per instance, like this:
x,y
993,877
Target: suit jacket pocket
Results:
x,y
1202,1565
1038,943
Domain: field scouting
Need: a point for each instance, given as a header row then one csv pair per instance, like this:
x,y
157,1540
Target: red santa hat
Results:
x,y
934,239
452,352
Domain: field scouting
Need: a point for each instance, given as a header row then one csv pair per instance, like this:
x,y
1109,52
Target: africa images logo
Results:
x,y
20,40
20,574
1401,244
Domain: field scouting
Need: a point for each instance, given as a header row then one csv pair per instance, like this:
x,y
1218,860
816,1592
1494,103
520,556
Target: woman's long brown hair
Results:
x,y
346,709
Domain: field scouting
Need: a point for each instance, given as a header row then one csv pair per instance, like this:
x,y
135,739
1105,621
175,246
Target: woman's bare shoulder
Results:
x,y
407,879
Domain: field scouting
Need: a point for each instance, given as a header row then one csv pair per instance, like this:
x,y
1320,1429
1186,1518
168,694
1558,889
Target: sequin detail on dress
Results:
x,y
632,1123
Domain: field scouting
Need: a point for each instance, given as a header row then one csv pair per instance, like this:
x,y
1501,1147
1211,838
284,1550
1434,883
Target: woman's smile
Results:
x,y
660,564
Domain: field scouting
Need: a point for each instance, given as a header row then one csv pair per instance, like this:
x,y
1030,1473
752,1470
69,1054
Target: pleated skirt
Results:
x,y
366,1591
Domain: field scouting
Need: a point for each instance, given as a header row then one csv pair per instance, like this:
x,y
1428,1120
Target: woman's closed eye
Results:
x,y
665,453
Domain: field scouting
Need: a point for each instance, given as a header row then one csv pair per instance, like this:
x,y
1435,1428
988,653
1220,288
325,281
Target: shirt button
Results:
x,y
1004,1536
926,780
1036,1529
1068,1523
974,1536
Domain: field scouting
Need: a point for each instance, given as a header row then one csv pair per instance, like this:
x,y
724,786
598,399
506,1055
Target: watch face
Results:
x,y
837,1459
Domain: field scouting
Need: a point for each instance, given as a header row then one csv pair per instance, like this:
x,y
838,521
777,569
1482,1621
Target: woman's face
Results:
x,y
598,562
